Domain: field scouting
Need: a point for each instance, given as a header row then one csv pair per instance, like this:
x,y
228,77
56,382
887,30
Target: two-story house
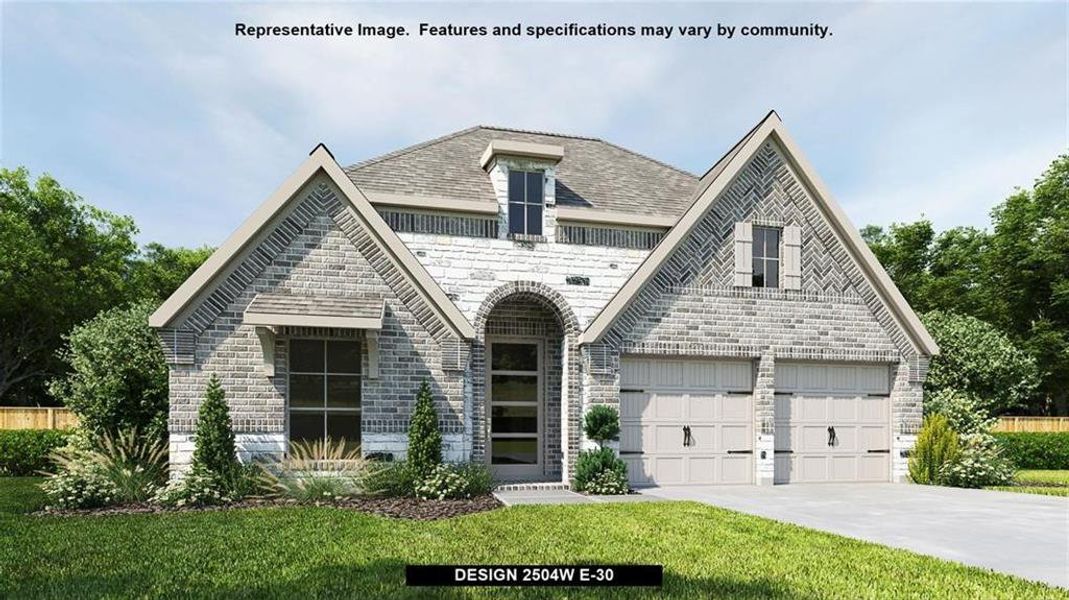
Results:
x,y
736,319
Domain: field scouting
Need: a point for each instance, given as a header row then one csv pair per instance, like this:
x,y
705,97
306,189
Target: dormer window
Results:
x,y
526,202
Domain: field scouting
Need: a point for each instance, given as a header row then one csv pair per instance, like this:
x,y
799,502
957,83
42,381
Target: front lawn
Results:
x,y
326,552
1048,483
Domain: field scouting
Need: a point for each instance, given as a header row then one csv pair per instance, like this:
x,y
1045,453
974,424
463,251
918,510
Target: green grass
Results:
x,y
1046,483
324,552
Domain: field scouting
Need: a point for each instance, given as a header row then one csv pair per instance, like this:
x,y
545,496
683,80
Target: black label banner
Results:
x,y
535,575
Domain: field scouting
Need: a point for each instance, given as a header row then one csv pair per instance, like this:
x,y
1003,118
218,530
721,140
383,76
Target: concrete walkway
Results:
x,y
1020,534
549,496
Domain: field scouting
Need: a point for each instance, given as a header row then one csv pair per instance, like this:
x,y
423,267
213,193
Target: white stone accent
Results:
x,y
902,444
765,458
499,179
453,449
250,446
471,268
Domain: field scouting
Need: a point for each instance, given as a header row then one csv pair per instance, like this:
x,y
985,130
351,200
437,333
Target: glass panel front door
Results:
x,y
515,392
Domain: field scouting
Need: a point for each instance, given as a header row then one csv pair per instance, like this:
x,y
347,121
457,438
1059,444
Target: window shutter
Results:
x,y
743,254
792,257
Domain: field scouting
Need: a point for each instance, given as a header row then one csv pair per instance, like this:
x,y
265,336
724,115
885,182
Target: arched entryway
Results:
x,y
525,373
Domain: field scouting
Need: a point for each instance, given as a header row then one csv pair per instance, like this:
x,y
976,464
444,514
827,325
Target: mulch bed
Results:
x,y
397,508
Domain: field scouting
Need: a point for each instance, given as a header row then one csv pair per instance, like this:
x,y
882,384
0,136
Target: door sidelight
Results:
x,y
832,439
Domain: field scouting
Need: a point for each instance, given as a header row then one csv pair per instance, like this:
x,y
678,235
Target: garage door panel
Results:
x,y
735,437
736,469
812,397
707,396
702,408
634,406
736,408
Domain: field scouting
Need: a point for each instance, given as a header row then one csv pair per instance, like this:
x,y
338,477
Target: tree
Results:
x,y
1029,266
118,374
424,437
601,424
937,446
159,270
977,359
214,450
61,262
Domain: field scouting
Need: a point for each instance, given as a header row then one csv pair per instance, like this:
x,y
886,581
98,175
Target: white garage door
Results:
x,y
832,422
686,421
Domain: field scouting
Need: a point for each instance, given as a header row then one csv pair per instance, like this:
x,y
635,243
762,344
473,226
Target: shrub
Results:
x,y
133,466
214,450
27,451
979,463
592,463
964,413
424,438
118,376
197,488
318,471
937,445
80,485
1035,450
455,481
608,483
978,359
391,479
602,423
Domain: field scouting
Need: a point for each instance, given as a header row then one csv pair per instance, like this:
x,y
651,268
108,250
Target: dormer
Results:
x,y
524,178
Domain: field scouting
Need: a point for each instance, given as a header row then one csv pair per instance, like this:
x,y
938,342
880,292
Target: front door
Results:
x,y
514,390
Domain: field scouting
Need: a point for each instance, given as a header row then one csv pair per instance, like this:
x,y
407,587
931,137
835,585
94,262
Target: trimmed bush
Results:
x,y
447,482
1035,450
591,464
391,479
424,438
602,423
214,450
26,451
936,447
118,375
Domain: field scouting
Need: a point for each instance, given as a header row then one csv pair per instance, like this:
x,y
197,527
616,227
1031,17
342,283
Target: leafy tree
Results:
x,y
159,270
118,375
61,262
979,360
214,450
1029,266
424,437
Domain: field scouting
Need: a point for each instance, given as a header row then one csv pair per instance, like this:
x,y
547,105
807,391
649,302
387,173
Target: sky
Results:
x,y
160,112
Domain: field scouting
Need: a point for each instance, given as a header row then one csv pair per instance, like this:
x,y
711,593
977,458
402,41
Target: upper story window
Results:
x,y
526,202
766,257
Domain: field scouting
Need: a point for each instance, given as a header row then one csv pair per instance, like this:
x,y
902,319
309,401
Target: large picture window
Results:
x,y
765,257
525,202
324,391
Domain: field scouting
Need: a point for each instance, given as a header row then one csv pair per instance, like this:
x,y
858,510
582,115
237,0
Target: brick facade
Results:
x,y
548,289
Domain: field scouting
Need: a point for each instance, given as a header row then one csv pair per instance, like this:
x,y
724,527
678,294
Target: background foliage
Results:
x,y
62,261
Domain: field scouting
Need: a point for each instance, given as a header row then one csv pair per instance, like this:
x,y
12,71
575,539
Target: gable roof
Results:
x,y
715,181
592,174
319,161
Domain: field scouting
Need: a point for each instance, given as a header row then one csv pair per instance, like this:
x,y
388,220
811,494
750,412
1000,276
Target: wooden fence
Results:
x,y
32,417
1032,424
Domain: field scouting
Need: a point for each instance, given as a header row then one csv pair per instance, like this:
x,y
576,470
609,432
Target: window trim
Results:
x,y
766,258
326,375
526,203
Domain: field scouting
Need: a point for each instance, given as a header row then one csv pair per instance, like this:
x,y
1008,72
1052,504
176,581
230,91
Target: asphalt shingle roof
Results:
x,y
327,306
593,173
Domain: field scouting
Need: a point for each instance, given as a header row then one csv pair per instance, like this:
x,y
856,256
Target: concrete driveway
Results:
x,y
1019,534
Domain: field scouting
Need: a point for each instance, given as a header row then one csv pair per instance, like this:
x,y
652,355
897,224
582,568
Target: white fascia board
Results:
x,y
573,214
524,149
432,203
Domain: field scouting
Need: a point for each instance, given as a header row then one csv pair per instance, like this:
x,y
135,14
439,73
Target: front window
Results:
x,y
324,391
525,202
765,257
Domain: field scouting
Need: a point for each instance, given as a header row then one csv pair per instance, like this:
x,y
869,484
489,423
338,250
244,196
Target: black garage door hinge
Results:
x,y
740,451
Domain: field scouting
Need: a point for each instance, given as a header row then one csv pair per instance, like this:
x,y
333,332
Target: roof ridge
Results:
x,y
412,148
538,132
652,160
